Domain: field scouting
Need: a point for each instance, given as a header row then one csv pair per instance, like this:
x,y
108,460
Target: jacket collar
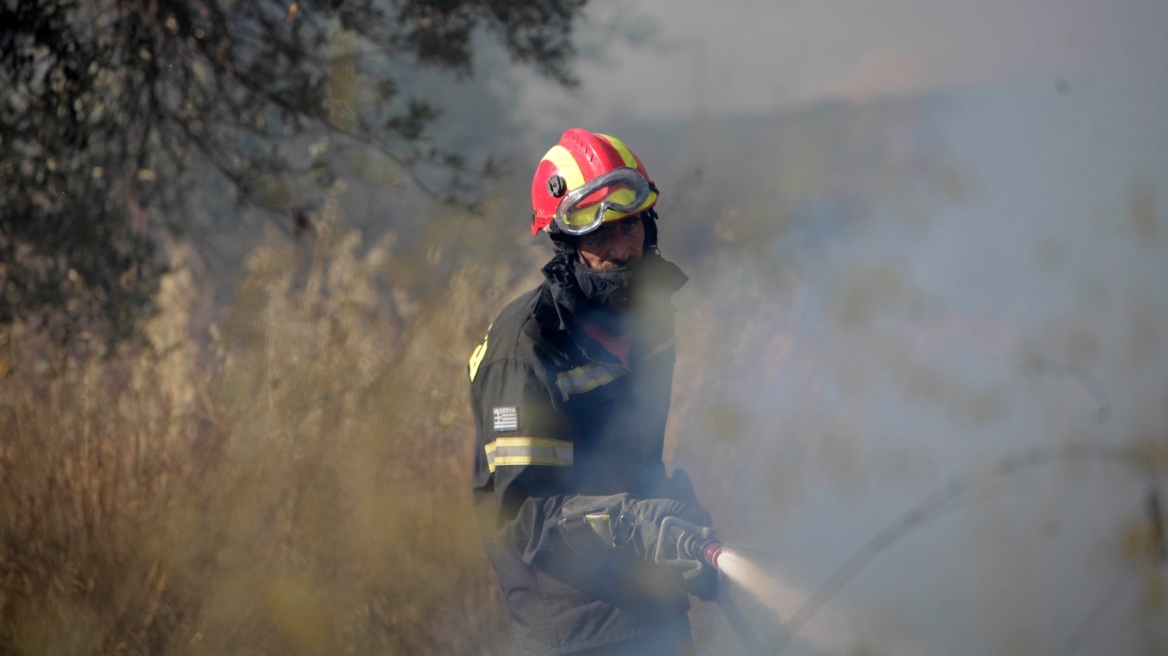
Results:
x,y
547,313
555,317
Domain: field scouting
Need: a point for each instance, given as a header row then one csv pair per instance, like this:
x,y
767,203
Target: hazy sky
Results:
x,y
691,58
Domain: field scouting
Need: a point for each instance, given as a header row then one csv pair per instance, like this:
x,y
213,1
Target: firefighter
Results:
x,y
570,390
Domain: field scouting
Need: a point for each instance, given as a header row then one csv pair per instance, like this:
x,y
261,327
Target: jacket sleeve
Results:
x,y
525,470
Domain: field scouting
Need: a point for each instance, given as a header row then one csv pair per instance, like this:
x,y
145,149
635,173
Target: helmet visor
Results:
x,y
608,197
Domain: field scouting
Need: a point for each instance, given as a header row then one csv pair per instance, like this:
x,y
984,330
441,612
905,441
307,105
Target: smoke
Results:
x,y
892,295
833,629
885,296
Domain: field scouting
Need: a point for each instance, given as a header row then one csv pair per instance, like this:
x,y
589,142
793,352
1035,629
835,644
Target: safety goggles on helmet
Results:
x,y
610,196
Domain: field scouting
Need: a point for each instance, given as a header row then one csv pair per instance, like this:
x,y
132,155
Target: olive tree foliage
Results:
x,y
112,113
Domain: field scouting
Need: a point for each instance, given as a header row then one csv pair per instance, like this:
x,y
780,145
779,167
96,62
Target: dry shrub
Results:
x,y
296,484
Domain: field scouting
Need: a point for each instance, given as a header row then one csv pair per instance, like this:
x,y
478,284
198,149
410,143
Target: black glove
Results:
x,y
681,488
648,515
700,581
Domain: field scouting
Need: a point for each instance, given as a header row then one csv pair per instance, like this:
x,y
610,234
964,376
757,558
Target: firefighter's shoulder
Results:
x,y
512,335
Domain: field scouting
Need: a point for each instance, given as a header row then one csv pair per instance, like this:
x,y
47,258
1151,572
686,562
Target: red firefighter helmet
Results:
x,y
585,180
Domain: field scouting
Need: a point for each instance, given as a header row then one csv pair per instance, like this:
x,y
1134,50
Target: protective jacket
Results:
x,y
561,421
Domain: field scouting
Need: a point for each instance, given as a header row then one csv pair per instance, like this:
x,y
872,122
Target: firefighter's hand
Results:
x,y
650,513
701,582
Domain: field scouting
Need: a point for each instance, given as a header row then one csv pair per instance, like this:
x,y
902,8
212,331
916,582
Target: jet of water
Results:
x,y
831,630
782,599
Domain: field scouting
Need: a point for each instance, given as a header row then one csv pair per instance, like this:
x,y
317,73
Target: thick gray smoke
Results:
x,y
896,286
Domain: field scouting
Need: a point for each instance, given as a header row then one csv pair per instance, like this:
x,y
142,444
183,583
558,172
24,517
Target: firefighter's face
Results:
x,y
613,245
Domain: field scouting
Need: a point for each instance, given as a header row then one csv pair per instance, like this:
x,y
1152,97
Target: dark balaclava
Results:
x,y
607,297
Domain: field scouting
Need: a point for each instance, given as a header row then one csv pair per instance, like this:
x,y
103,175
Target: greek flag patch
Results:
x,y
506,419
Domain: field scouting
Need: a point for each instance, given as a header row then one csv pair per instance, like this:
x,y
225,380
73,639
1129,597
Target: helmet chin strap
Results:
x,y
565,244
649,220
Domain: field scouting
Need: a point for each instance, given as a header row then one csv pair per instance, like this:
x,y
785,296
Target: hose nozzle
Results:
x,y
686,545
710,554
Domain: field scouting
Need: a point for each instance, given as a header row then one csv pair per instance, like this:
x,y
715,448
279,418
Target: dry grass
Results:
x,y
296,484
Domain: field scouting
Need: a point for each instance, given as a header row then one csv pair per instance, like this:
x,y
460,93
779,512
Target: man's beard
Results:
x,y
607,265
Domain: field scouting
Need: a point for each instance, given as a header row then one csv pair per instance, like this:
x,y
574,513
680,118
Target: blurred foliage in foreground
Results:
x,y
117,118
296,487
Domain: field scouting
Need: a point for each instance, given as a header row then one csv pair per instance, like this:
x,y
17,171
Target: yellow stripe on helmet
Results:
x,y
631,162
566,166
626,155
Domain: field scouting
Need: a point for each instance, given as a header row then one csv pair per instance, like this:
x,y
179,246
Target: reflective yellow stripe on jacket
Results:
x,y
587,378
506,451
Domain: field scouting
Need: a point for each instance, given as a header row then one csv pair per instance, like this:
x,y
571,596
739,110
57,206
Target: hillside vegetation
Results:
x,y
293,481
